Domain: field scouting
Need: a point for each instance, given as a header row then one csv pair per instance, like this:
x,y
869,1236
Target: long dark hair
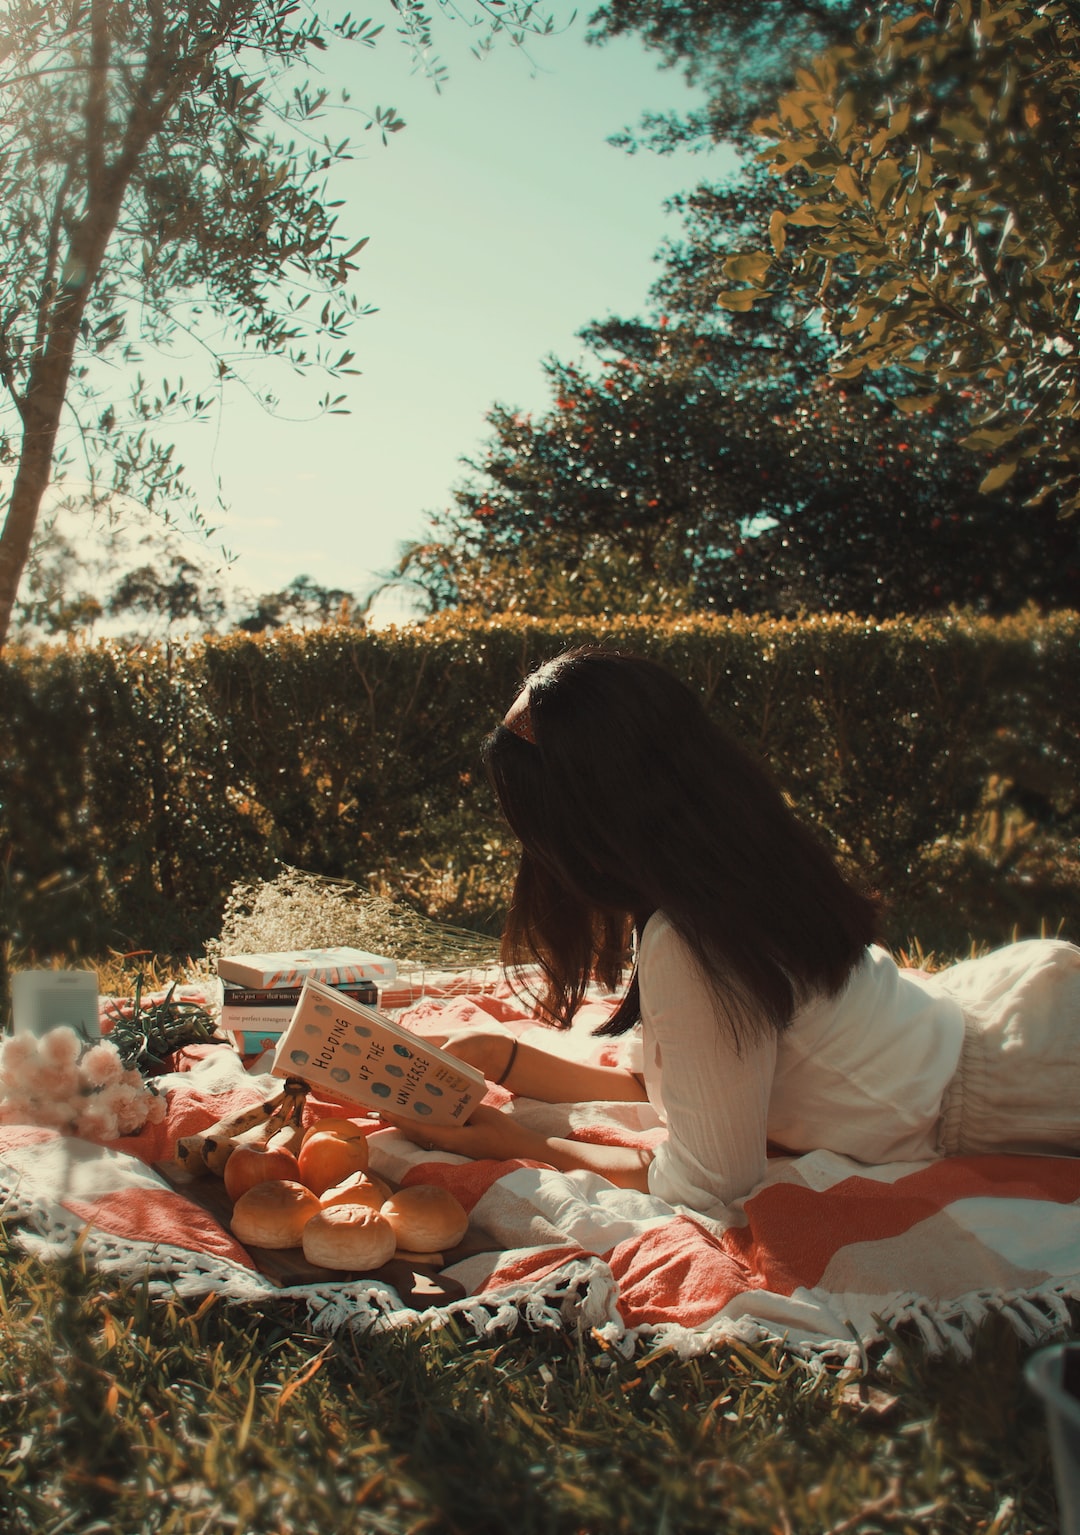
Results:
x,y
629,800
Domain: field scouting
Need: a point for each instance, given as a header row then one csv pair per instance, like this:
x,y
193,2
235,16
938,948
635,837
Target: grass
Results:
x,y
122,1413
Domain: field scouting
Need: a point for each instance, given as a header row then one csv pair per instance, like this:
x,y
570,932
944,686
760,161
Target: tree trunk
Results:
x,y
42,406
43,401
30,485
46,390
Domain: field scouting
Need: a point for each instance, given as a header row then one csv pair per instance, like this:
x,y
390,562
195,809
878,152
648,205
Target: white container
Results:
x,y
45,999
1054,1374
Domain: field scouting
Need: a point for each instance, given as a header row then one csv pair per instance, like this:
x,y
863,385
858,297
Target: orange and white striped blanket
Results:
x,y
824,1254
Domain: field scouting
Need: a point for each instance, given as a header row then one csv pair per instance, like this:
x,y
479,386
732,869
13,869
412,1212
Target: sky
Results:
x,y
500,221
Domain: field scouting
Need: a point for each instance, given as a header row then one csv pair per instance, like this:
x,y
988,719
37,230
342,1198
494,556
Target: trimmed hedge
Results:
x,y
940,756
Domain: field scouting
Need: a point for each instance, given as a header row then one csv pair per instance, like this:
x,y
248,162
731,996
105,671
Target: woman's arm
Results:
x,y
492,1135
536,1073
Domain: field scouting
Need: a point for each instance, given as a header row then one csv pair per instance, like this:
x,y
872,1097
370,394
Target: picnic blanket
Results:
x,y
825,1255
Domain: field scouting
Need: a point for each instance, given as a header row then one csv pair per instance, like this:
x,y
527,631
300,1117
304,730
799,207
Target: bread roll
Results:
x,y
426,1219
360,1189
349,1237
273,1214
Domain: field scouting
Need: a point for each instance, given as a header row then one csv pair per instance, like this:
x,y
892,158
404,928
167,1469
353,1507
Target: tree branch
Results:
x,y
52,256
97,95
7,373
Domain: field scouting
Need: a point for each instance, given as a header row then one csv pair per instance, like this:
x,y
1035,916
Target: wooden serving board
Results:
x,y
418,1284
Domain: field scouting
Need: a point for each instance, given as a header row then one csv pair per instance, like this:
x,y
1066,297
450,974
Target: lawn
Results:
x,y
119,1412
124,1412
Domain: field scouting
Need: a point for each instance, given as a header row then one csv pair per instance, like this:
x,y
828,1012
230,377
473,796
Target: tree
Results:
x,y
934,170
734,456
181,595
613,488
698,466
302,602
162,172
740,52
56,596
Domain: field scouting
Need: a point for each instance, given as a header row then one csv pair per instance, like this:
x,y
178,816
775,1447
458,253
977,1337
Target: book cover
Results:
x,y
292,967
352,1051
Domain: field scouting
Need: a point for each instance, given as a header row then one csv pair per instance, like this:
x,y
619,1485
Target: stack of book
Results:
x,y
261,991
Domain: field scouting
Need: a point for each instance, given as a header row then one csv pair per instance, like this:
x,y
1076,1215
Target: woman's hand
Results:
x,y
489,1135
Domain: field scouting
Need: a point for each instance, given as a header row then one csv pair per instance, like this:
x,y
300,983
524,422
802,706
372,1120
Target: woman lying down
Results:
x,y
767,1012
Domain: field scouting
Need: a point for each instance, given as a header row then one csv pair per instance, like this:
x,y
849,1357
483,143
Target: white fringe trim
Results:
x,y
581,1296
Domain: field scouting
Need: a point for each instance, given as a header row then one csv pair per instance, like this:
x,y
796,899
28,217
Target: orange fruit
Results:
x,y
249,1165
326,1160
344,1129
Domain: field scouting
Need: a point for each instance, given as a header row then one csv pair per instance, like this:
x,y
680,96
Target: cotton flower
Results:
x,y
32,1077
133,1104
17,1053
54,1083
96,1124
57,1083
49,1113
60,1047
124,1102
156,1109
117,1096
17,1109
101,1065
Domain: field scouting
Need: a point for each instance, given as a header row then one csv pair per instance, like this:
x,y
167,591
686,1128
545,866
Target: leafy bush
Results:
x,y
138,787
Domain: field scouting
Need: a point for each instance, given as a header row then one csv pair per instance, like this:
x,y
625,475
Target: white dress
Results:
x,y
868,1073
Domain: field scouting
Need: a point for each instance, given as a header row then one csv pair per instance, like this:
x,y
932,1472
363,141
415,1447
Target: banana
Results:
x,y
277,1115
218,1150
290,1136
201,1152
190,1155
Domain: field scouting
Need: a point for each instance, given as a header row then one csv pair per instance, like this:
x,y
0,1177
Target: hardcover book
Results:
x,y
255,1019
253,1041
292,967
273,1020
350,1050
282,999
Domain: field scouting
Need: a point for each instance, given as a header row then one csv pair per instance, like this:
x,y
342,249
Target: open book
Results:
x,y
350,1050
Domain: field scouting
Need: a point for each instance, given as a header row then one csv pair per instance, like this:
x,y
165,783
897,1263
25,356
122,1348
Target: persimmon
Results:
x,y
249,1165
344,1129
326,1160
